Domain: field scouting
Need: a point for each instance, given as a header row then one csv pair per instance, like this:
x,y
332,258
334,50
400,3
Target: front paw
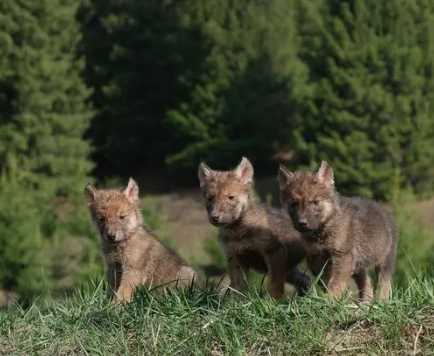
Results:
x,y
122,296
119,300
303,285
335,291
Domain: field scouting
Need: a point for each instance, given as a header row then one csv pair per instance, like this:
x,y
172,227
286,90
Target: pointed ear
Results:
x,y
325,174
90,192
284,176
132,191
244,171
204,173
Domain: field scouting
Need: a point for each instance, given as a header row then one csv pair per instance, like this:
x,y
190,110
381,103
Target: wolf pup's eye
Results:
x,y
315,202
210,197
101,219
231,197
122,216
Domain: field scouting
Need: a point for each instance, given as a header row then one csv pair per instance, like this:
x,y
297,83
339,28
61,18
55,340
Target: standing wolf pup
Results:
x,y
252,235
355,233
133,256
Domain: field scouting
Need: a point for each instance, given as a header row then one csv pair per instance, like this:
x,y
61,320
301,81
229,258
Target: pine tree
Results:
x,y
43,106
24,267
371,112
139,55
43,156
246,93
179,81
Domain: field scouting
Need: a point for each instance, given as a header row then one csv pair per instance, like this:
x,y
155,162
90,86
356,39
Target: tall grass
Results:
x,y
198,322
416,243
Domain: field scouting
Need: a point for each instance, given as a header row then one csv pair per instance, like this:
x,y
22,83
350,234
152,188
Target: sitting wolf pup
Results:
x,y
252,235
133,256
354,233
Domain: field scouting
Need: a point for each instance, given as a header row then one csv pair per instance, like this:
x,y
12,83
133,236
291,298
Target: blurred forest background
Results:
x,y
106,89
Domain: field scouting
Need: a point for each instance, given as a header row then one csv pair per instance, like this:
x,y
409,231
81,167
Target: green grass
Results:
x,y
199,322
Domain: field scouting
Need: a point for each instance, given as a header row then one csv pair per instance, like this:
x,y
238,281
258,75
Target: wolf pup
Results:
x,y
354,233
132,254
252,235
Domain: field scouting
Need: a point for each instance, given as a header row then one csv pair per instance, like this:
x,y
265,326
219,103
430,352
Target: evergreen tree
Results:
x,y
246,93
139,57
43,109
371,113
43,156
190,80
24,267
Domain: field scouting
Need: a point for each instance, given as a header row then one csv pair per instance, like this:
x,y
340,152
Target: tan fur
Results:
x,y
252,235
133,255
350,234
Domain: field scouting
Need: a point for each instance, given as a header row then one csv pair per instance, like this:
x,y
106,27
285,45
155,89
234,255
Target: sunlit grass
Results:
x,y
200,322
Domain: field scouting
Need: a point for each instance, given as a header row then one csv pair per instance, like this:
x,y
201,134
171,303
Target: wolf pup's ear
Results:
x,y
284,176
132,191
204,173
244,171
90,192
325,174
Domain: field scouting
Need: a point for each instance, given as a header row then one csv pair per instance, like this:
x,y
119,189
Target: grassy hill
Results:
x,y
200,323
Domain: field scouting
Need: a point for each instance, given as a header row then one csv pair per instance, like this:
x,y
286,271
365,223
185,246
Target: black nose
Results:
x,y
111,236
215,218
302,223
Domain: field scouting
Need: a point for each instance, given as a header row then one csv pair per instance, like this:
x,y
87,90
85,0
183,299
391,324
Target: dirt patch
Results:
x,y
425,210
187,223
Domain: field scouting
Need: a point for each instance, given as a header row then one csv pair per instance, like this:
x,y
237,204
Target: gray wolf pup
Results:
x,y
133,255
354,234
252,235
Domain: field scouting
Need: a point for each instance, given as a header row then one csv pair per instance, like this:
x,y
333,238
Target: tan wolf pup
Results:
x,y
252,235
132,254
354,233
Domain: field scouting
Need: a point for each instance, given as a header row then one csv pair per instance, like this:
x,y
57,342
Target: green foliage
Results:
x,y
183,80
347,81
23,261
43,105
47,249
44,114
197,322
244,96
370,113
153,215
416,243
214,252
138,56
155,219
74,246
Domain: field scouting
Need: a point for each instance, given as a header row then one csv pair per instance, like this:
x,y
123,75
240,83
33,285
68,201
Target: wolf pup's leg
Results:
x,y
341,271
237,273
364,284
276,266
299,280
385,272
